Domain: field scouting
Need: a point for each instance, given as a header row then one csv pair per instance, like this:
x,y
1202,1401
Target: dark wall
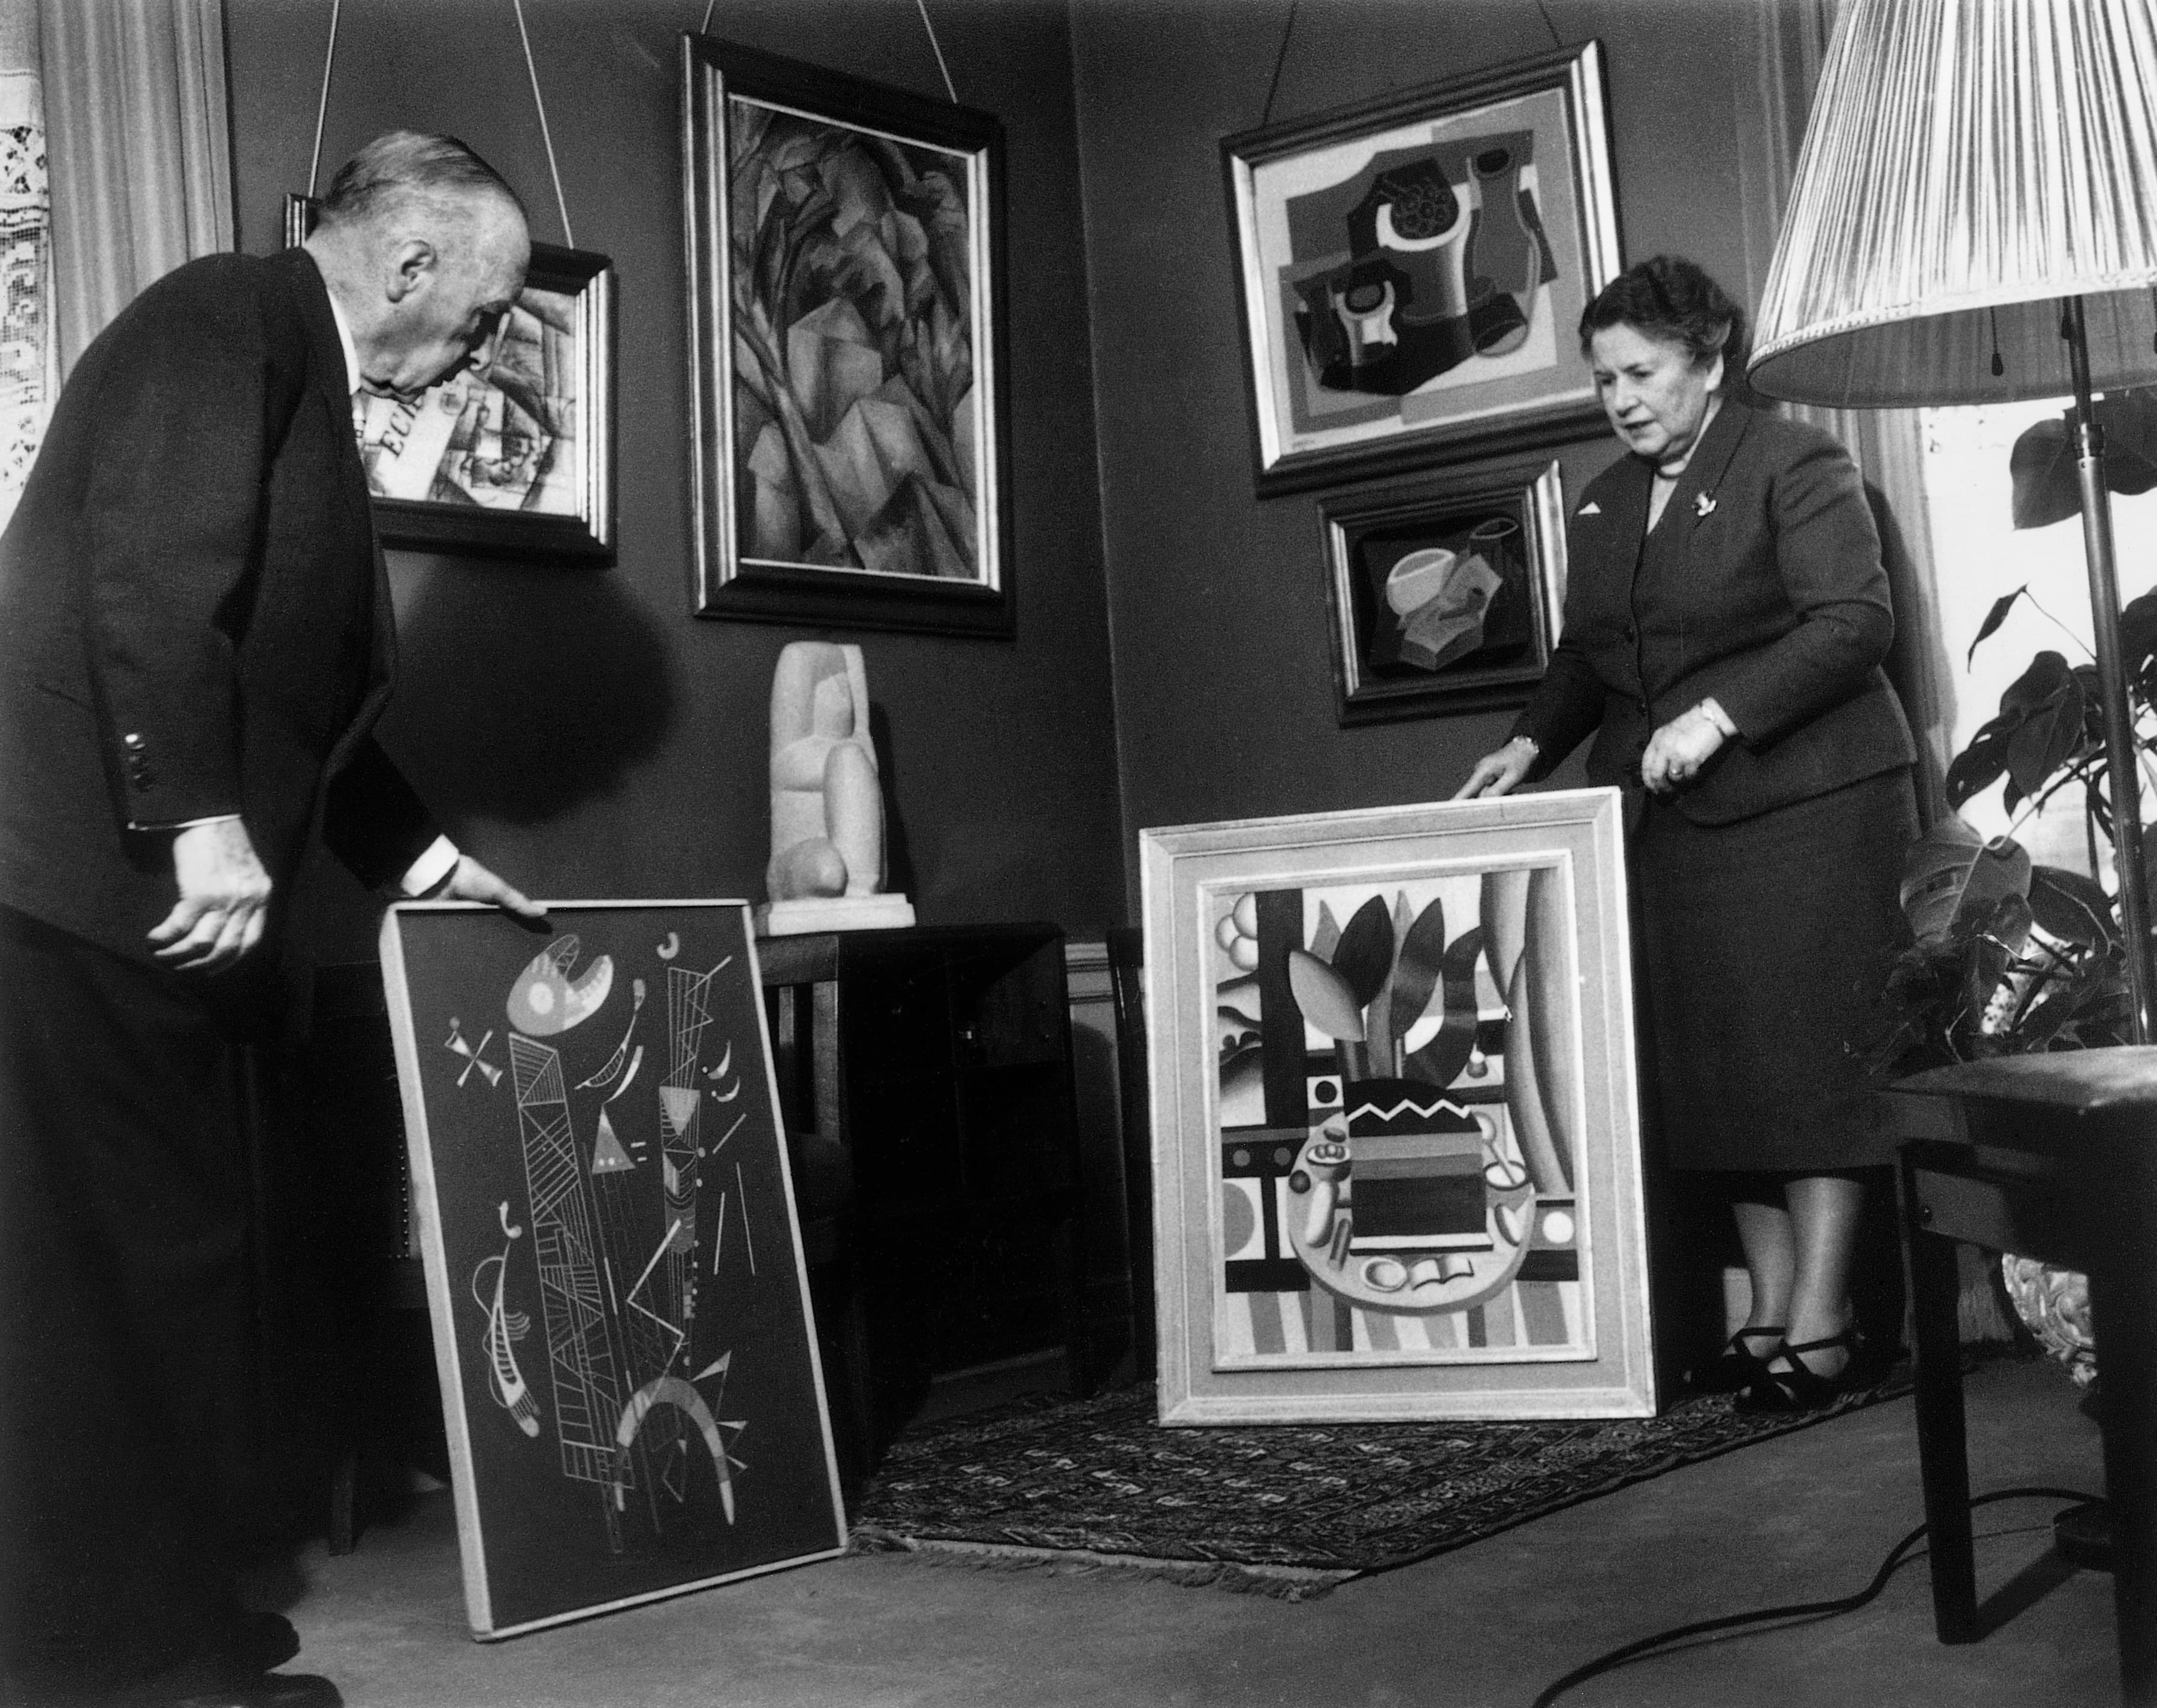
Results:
x,y
578,729
1218,609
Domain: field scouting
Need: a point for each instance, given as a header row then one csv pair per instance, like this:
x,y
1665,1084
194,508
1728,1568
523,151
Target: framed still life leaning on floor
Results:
x,y
1410,269
1396,1144
846,291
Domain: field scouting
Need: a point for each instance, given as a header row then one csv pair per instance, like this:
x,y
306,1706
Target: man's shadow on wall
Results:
x,y
522,694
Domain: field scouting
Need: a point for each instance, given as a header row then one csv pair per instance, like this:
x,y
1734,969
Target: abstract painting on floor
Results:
x,y
622,1333
845,244
1412,268
1397,1163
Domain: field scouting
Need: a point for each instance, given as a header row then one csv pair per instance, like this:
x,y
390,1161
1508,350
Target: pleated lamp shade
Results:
x,y
1968,163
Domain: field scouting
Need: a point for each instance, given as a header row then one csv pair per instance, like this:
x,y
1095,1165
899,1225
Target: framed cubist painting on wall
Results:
x,y
622,1332
846,306
1446,590
1396,1146
1411,269
514,456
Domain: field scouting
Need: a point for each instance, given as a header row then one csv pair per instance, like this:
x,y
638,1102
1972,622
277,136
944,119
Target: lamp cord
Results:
x,y
546,136
322,105
1896,1558
937,48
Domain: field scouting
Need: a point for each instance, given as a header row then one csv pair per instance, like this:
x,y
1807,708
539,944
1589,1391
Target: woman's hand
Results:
x,y
1677,752
1498,772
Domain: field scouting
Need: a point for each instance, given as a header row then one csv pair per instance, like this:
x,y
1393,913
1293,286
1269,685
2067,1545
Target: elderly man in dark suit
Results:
x,y
195,639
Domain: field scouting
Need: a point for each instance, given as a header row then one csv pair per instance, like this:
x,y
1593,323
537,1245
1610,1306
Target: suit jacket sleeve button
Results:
x,y
133,743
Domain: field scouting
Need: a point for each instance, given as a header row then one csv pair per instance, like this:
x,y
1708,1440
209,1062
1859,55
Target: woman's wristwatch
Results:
x,y
1712,710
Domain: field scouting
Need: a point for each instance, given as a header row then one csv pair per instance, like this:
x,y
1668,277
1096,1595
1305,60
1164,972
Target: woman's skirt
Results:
x,y
1763,945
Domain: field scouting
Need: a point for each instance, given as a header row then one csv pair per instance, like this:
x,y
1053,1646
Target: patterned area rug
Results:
x,y
1289,1512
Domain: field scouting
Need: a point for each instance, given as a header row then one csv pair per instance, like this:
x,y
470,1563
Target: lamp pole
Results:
x,y
2112,679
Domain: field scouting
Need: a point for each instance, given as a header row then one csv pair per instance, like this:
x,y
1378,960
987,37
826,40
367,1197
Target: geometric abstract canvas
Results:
x,y
628,1366
1393,1061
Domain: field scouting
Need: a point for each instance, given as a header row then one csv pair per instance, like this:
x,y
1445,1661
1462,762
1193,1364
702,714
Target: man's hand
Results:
x,y
470,881
225,894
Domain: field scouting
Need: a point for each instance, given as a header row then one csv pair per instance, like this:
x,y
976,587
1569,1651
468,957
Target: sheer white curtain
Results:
x,y
141,148
1774,94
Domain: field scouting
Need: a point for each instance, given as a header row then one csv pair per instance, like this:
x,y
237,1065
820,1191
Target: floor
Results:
x,y
1805,1517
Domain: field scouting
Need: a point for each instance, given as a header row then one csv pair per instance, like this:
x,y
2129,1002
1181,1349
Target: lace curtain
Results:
x,y
29,373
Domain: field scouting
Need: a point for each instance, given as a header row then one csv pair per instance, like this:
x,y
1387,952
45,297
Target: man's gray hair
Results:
x,y
407,164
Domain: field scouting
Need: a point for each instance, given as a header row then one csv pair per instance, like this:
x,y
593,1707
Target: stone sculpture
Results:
x,y
827,847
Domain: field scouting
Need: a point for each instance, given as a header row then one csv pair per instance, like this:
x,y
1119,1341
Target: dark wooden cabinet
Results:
x,y
938,1061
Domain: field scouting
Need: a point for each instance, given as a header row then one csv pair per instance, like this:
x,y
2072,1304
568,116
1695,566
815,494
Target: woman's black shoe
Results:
x,y
1734,1368
1800,1388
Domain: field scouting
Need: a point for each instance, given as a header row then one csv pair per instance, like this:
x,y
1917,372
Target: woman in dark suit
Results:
x,y
1724,624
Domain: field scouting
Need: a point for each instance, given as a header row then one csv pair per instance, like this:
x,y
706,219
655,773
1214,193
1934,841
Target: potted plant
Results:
x,y
2008,956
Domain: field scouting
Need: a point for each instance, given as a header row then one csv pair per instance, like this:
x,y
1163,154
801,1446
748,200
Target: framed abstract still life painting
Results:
x,y
1446,591
1410,270
846,293
622,1333
1395,1143
514,456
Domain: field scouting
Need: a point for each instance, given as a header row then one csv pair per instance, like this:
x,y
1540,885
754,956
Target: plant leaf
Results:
x,y
2047,738
2071,907
2042,465
1364,956
1951,874
1978,766
1325,998
2047,488
1993,619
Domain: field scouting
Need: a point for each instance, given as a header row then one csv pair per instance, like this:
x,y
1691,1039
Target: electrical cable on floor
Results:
x,y
1896,1558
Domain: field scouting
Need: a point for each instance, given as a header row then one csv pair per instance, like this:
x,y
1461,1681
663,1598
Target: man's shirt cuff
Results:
x,y
430,868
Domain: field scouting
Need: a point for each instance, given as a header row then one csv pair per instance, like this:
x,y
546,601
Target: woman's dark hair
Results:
x,y
1670,298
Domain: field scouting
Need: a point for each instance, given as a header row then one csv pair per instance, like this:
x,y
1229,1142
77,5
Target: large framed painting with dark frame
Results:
x,y
1410,270
514,456
846,308
1446,591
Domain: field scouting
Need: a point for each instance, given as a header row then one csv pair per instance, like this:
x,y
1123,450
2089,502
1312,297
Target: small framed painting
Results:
x,y
846,293
514,456
1411,269
1396,1140
621,1322
1446,591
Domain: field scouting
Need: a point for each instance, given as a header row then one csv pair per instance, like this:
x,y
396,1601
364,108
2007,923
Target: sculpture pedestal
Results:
x,y
834,913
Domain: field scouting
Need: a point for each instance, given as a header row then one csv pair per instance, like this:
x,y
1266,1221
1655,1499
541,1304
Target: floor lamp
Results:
x,y
1973,220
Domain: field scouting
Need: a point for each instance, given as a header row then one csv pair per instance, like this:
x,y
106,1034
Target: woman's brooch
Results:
x,y
1703,504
